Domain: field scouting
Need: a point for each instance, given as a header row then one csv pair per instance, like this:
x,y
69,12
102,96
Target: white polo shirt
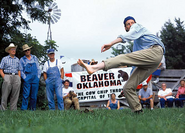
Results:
x,y
163,93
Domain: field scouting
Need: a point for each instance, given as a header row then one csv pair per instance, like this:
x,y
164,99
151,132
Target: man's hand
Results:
x,y
106,47
144,99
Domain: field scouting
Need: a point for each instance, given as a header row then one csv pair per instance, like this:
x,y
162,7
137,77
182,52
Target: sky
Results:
x,y
85,25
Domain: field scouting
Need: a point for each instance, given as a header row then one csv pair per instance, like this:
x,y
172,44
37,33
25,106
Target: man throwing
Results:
x,y
146,56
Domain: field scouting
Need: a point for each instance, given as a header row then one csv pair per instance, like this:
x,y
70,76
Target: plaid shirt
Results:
x,y
10,65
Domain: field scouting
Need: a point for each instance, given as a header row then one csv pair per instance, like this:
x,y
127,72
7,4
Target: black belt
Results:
x,y
11,73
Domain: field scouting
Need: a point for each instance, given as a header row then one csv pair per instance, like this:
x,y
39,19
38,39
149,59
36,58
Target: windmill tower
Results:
x,y
53,16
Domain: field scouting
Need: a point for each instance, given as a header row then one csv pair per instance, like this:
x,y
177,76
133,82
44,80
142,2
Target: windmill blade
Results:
x,y
51,20
55,20
56,16
57,12
56,7
52,5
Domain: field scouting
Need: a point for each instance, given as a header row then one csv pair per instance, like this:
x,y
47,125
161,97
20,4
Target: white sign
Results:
x,y
99,85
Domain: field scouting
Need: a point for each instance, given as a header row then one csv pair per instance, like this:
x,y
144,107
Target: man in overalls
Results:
x,y
30,74
53,75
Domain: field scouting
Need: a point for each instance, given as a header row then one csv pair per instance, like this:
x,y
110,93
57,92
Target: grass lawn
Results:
x,y
103,121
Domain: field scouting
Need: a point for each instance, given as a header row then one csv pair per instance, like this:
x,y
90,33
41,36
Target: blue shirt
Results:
x,y
145,94
142,38
24,60
10,65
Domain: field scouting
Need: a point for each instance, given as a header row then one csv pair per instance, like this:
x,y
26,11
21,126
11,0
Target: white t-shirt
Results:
x,y
163,93
163,63
52,64
66,91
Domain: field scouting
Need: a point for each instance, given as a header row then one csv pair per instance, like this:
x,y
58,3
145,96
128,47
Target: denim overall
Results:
x,y
113,105
54,83
30,86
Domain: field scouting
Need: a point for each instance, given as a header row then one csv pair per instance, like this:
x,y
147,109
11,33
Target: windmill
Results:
x,y
53,16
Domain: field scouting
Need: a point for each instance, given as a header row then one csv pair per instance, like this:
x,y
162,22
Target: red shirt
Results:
x,y
181,90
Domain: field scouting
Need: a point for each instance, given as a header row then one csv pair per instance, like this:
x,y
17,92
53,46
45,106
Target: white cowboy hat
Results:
x,y
10,46
25,47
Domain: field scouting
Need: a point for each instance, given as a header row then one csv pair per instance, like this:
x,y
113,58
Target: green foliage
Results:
x,y
12,21
173,37
167,120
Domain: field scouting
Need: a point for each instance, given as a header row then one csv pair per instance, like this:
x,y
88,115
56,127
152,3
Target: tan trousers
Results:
x,y
11,86
68,102
146,62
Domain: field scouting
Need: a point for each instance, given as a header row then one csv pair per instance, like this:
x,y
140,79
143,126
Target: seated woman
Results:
x,y
113,103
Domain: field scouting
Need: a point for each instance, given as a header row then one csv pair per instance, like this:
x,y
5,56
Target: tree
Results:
x,y
173,37
123,50
12,20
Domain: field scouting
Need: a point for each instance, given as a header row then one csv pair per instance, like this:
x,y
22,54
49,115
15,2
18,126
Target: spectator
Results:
x,y
69,96
10,72
145,95
162,66
30,74
93,62
180,97
165,95
53,75
113,103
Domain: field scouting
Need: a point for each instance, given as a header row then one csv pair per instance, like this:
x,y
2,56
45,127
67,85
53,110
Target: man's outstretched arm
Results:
x,y
109,45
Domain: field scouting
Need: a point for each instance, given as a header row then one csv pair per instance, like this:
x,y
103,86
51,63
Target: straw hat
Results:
x,y
9,47
26,47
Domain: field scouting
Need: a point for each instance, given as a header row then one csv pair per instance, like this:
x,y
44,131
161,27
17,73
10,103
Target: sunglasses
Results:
x,y
27,50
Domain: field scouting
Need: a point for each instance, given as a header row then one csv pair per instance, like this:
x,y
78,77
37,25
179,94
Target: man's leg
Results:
x,y
59,95
146,58
25,95
50,96
33,95
162,102
76,103
151,103
67,103
177,102
16,84
181,99
6,89
170,102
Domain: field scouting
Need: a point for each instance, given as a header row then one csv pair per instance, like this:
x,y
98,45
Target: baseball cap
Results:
x,y
144,83
50,51
128,18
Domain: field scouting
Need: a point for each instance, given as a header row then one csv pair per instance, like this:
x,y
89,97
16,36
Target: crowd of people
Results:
x,y
148,51
165,95
12,70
